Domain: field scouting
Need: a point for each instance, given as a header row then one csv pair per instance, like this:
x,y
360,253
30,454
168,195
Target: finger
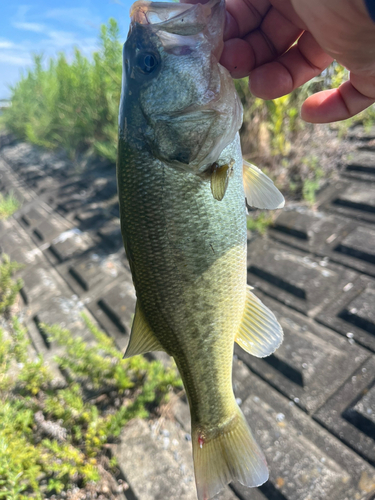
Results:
x,y
248,15
335,104
238,57
273,37
301,63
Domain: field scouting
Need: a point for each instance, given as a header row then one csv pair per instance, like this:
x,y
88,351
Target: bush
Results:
x,y
74,105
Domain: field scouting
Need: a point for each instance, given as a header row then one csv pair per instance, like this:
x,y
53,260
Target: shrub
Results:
x,y
74,105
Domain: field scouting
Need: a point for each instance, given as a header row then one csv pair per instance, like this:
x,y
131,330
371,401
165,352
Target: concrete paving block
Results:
x,y
311,363
69,244
311,231
356,200
15,243
91,271
357,249
359,133
303,282
41,223
350,413
111,234
353,313
156,461
360,165
306,462
39,283
114,308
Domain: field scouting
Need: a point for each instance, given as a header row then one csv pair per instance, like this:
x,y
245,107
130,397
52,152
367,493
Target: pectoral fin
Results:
x,y
142,338
260,191
219,180
260,334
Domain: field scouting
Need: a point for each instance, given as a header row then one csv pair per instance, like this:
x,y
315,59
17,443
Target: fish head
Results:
x,y
177,101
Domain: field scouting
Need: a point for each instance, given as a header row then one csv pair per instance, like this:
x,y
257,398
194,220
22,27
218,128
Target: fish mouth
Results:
x,y
144,12
177,24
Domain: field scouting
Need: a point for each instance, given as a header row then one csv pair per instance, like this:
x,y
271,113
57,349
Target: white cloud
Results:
x,y
14,58
35,27
13,53
42,32
6,44
78,16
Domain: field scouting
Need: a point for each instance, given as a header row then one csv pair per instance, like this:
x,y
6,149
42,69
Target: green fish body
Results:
x,y
181,184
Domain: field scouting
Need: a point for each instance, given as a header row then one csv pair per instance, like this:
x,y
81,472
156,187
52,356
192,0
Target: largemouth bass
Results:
x,y
182,186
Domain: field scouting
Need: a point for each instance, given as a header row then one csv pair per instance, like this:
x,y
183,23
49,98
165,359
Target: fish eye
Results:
x,y
147,62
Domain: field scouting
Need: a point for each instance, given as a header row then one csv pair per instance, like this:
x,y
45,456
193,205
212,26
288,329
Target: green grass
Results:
x,y
9,287
260,223
53,434
8,205
311,184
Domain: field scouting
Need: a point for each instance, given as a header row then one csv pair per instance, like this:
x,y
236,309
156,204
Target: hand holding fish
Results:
x,y
260,38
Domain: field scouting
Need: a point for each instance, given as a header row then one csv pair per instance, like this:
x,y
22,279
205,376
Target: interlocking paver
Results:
x,y
304,282
312,362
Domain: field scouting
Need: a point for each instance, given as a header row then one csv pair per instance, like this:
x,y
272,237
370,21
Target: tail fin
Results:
x,y
231,454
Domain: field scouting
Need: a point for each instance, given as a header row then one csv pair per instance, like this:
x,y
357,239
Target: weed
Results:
x,y
54,434
260,222
8,287
8,205
312,183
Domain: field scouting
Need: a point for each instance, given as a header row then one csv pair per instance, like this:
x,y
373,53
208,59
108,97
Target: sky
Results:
x,y
49,27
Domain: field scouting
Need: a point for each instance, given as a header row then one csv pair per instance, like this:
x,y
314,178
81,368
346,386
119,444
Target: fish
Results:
x,y
183,188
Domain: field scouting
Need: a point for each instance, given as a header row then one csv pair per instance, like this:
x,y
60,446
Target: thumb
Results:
x,y
341,103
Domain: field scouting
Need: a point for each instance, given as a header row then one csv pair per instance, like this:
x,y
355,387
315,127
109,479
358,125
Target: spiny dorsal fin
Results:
x,y
260,191
142,338
219,180
259,334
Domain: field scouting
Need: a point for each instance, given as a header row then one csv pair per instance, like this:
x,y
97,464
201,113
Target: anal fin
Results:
x,y
260,334
142,338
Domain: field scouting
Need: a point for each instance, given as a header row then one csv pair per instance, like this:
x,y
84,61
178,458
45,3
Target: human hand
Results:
x,y
260,41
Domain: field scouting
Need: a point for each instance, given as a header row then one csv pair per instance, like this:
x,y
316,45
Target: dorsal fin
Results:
x,y
142,338
260,191
259,334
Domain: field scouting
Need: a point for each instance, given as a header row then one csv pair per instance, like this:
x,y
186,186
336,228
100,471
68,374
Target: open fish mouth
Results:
x,y
182,19
144,12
